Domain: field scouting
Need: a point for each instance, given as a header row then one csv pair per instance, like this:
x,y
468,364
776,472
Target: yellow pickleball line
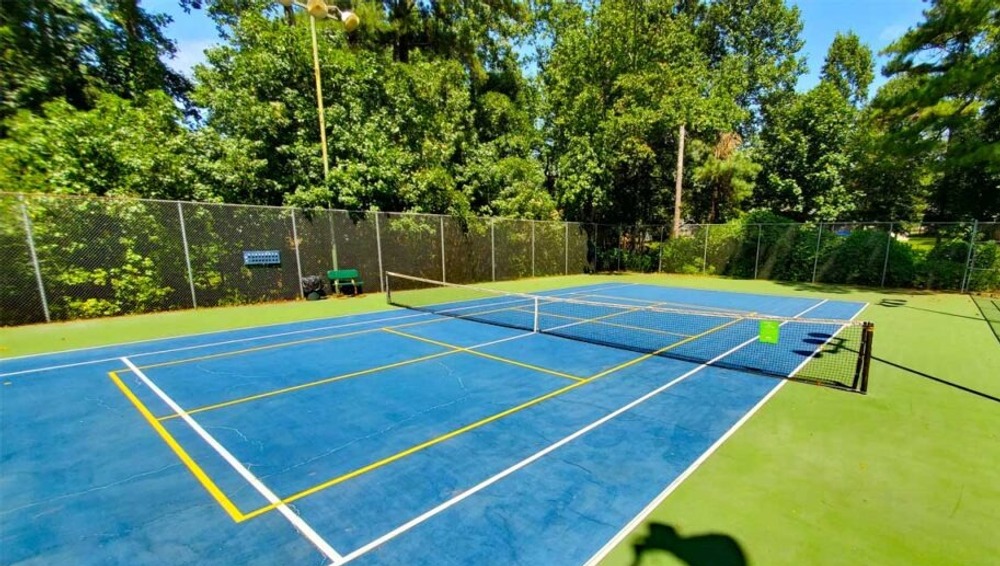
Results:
x,y
484,355
195,469
449,435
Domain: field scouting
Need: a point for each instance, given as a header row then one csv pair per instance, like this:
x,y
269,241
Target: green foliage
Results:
x,y
804,154
848,67
948,106
117,148
75,51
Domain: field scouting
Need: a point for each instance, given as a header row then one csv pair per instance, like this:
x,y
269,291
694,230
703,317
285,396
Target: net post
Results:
x,y
187,254
888,244
29,234
867,337
819,236
535,325
443,276
493,247
378,244
756,261
388,289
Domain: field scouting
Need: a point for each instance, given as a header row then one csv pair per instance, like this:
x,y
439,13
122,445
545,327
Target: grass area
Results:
x,y
909,474
922,243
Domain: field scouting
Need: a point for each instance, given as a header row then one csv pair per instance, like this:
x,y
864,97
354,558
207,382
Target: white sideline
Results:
x,y
543,452
271,498
224,342
667,491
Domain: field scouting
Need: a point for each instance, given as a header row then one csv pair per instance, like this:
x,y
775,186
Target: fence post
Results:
x,y
532,247
969,256
493,247
659,259
187,255
819,237
704,258
566,249
756,261
443,273
888,244
621,250
333,239
378,244
298,259
29,234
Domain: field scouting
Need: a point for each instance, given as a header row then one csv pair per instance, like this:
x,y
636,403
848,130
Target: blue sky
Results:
x,y
877,22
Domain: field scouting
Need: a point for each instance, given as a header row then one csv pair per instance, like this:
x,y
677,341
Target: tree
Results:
x,y
849,67
725,179
619,80
119,147
74,51
950,108
803,151
760,41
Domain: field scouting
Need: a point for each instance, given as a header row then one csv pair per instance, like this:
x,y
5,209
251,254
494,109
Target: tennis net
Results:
x,y
829,352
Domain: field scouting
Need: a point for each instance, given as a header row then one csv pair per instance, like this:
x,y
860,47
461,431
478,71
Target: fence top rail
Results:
x,y
39,195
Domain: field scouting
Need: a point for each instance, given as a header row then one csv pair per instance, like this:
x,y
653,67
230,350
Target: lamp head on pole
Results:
x,y
320,9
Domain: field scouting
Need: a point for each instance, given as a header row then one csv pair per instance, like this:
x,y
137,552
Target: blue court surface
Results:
x,y
400,437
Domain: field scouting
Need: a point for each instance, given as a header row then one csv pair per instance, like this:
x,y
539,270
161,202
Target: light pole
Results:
x,y
319,9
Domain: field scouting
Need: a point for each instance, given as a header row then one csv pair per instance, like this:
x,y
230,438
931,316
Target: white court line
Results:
x,y
662,496
543,452
269,495
224,330
647,302
228,342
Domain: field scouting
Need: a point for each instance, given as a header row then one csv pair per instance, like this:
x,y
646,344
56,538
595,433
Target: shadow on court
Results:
x,y
938,379
896,303
712,549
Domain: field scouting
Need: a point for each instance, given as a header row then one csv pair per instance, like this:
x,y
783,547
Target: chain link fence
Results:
x,y
67,258
956,256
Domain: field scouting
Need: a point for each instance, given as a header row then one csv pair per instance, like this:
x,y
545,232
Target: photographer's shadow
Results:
x,y
712,549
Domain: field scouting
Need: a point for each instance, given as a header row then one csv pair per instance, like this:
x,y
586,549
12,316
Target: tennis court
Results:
x,y
470,427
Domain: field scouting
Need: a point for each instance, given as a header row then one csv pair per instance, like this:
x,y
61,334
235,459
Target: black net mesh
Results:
x,y
513,252
315,241
218,236
830,352
411,244
20,297
984,265
355,245
550,248
105,257
468,257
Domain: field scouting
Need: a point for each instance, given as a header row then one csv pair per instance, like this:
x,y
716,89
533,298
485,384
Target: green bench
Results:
x,y
340,278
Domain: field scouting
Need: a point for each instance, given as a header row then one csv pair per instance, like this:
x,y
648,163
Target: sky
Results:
x,y
877,23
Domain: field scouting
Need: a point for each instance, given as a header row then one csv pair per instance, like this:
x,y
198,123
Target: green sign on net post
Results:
x,y
770,331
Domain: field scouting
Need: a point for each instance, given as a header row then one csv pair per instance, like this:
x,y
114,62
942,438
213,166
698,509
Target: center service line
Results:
x,y
545,451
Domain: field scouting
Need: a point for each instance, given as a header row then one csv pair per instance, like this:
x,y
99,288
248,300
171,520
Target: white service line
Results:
x,y
543,452
229,342
662,496
271,498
